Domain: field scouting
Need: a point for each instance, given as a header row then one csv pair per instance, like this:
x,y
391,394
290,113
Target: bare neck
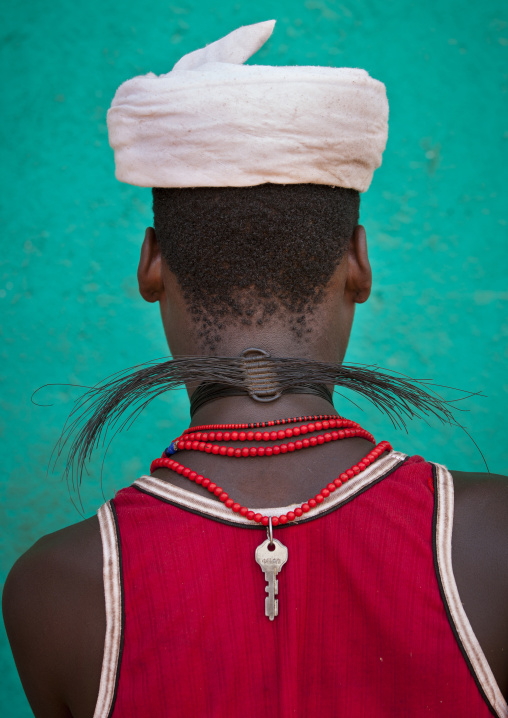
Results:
x,y
243,409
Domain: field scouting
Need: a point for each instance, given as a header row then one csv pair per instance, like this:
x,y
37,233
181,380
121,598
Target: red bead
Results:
x,y
283,519
296,431
208,448
238,453
215,449
244,511
268,451
319,426
223,497
250,515
320,439
264,520
290,446
217,491
313,441
199,479
325,492
205,482
355,469
234,436
338,482
236,508
291,515
229,503
179,469
261,451
245,451
276,450
343,477
312,503
227,436
319,498
298,445
186,472
303,430
275,521
350,473
298,511
223,450
330,487
305,508
311,427
230,451
258,436
250,435
258,517
306,443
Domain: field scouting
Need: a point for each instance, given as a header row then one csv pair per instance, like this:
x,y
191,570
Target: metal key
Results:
x,y
271,561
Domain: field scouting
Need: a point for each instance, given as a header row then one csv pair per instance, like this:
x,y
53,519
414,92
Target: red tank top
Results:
x,y
370,622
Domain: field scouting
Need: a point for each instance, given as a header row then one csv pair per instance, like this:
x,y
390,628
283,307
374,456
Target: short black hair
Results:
x,y
247,253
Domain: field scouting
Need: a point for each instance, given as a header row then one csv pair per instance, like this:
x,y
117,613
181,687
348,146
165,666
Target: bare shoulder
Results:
x,y
480,530
480,562
53,606
481,499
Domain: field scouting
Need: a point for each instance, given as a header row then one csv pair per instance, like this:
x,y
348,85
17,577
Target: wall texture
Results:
x,y
71,233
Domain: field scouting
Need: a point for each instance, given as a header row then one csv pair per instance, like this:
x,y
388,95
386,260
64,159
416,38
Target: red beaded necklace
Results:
x,y
190,440
271,555
262,424
257,517
234,435
274,450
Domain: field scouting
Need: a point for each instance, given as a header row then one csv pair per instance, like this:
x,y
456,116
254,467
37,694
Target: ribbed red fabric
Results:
x,y
361,631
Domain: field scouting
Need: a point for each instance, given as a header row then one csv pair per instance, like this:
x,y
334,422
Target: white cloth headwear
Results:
x,y
215,122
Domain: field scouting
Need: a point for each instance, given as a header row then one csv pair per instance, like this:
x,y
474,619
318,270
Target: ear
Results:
x,y
359,277
151,285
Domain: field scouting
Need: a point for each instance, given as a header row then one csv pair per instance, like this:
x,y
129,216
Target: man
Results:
x,y
157,606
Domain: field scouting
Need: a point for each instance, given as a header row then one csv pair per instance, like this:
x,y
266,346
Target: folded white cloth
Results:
x,y
214,122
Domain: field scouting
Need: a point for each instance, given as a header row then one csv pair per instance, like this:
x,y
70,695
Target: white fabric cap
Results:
x,y
214,122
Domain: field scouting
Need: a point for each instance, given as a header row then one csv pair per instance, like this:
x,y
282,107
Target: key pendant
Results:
x,y
271,555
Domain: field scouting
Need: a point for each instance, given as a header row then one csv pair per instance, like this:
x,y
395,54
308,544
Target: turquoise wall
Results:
x,y
71,233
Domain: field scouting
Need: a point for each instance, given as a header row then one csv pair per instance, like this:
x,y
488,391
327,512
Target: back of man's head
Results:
x,y
246,254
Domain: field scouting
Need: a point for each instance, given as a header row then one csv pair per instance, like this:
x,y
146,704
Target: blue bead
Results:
x,y
171,449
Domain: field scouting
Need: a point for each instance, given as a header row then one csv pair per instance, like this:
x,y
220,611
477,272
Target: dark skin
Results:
x,y
53,599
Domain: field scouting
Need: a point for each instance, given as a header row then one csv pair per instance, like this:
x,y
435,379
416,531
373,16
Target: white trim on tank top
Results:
x,y
215,509
443,541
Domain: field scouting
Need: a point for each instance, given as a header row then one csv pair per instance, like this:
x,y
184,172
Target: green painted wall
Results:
x,y
71,234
